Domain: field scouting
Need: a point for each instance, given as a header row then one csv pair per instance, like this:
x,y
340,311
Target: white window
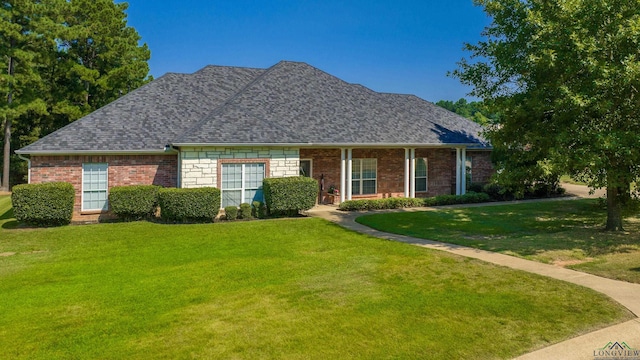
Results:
x,y
421,175
94,186
363,176
241,183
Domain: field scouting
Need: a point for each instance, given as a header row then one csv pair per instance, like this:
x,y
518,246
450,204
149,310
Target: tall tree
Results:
x,y
20,49
564,75
99,59
64,59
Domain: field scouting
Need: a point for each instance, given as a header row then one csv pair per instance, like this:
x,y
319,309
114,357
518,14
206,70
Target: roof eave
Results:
x,y
335,145
95,152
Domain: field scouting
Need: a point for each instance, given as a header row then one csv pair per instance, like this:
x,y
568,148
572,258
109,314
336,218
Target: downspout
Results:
x,y
28,167
171,149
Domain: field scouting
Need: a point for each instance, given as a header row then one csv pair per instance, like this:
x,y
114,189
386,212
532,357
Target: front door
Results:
x,y
305,167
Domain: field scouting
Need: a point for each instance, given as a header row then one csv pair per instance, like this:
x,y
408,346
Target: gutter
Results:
x,y
93,152
328,145
28,167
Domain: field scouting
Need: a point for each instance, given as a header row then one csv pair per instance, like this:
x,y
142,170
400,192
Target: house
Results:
x,y
230,127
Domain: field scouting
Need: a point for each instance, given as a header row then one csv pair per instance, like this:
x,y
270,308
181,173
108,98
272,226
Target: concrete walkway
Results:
x,y
581,347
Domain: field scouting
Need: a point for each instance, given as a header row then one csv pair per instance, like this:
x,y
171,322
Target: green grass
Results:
x,y
293,289
567,233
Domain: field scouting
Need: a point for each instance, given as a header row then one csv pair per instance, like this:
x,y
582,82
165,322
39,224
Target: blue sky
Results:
x,y
396,46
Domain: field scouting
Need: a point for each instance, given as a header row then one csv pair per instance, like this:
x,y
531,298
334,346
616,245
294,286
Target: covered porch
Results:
x,y
369,173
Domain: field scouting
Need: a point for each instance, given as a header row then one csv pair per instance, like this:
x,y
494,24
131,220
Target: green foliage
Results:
x,y
189,205
290,195
47,204
258,210
231,212
65,59
399,203
134,202
564,76
246,212
475,111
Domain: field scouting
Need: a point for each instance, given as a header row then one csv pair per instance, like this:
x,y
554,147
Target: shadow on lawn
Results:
x,y
8,215
525,230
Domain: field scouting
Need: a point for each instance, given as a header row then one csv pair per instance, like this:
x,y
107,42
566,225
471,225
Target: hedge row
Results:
x,y
135,202
189,205
290,195
399,203
47,204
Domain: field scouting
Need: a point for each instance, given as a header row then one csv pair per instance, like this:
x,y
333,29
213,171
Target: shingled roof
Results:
x,y
289,104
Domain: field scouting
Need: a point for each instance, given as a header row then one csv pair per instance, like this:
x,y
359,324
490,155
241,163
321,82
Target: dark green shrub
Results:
x,y
135,202
231,212
47,204
354,205
245,211
290,195
189,205
473,197
476,187
258,210
399,203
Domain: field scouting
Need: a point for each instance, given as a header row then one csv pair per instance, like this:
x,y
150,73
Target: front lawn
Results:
x,y
296,289
565,233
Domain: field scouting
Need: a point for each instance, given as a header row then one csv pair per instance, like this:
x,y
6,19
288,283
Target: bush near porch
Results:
x,y
290,195
401,202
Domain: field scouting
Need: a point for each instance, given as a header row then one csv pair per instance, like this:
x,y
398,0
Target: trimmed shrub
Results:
x,y
189,205
47,204
231,212
245,211
258,210
135,202
398,203
290,195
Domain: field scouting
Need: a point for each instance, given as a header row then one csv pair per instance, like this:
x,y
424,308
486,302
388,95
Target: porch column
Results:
x,y
343,174
458,172
349,173
463,171
407,175
413,173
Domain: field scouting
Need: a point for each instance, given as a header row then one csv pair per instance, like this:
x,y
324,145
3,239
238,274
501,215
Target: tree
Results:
x,y
20,47
475,111
564,76
66,58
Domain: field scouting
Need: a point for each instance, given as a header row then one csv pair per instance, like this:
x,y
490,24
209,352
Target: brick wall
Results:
x,y
123,170
482,169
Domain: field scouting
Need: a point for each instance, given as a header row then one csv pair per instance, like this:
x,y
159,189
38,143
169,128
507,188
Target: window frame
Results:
x,y
243,179
468,165
421,177
105,189
310,167
361,179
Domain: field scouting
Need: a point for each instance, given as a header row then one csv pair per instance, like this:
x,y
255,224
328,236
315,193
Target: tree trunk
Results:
x,y
614,209
6,154
7,135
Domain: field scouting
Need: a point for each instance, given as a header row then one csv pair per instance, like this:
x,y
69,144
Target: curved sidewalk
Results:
x,y
582,347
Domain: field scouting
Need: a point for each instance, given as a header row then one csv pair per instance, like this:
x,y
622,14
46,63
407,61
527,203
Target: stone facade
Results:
x,y
200,166
122,170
